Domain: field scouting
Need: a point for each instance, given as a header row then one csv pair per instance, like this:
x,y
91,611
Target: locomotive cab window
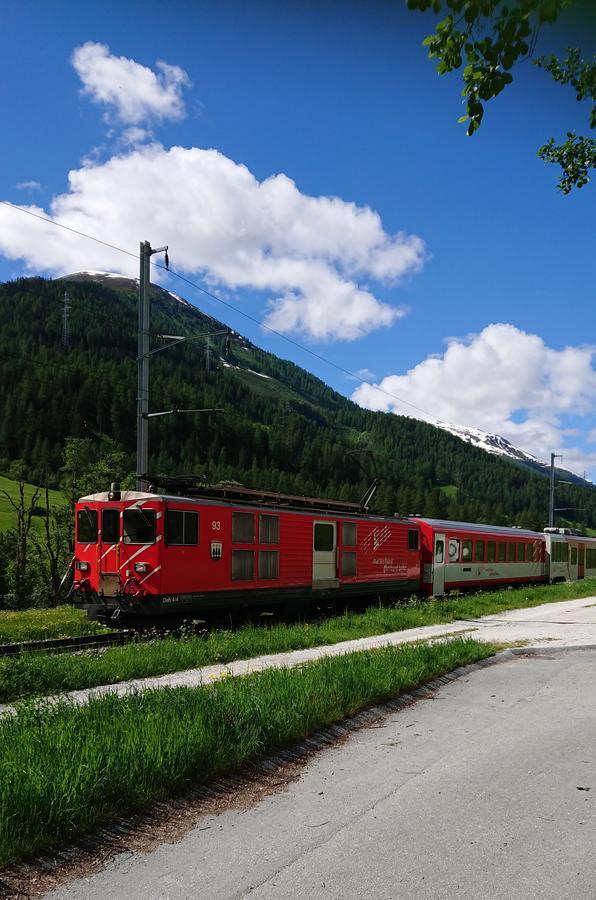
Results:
x,y
243,528
269,529
324,536
110,526
139,526
349,534
413,539
182,528
87,526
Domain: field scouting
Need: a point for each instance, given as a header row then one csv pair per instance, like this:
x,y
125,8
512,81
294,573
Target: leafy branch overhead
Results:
x,y
487,38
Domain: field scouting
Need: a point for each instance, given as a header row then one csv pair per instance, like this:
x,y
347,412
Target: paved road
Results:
x,y
473,794
571,622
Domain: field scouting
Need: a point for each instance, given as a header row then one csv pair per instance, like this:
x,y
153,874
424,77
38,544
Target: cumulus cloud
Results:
x,y
307,253
132,93
503,381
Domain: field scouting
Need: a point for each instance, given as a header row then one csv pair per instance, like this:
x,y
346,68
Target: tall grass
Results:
x,y
65,768
35,674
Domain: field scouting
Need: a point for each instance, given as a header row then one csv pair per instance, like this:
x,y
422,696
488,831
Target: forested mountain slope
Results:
x,y
287,431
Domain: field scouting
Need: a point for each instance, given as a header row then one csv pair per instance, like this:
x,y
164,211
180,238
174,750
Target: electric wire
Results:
x,y
230,306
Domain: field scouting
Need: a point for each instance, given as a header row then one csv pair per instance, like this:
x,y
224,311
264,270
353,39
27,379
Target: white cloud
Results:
x,y
28,186
492,380
362,375
306,252
133,93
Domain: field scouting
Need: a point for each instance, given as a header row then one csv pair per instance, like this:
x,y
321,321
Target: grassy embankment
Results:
x,y
43,624
7,513
39,674
67,769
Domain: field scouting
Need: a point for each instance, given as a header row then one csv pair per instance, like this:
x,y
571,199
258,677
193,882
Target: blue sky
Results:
x,y
448,270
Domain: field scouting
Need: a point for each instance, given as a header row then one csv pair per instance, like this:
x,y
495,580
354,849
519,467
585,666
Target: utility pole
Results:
x,y
551,502
145,255
66,307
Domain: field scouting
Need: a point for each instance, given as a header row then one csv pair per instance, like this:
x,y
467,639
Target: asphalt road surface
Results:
x,y
486,791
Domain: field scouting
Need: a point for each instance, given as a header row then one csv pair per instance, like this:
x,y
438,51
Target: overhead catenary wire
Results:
x,y
235,309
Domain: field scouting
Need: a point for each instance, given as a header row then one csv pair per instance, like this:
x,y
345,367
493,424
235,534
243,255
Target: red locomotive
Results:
x,y
162,555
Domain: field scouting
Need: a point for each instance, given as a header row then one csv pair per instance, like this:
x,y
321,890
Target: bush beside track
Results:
x,y
67,769
38,674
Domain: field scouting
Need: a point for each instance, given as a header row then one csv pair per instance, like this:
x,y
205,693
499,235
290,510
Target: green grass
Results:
x,y
66,769
33,674
42,624
7,513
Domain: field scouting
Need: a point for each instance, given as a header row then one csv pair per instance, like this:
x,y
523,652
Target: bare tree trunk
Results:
x,y
23,527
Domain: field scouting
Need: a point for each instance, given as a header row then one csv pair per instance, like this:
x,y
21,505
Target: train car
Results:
x,y
570,556
159,555
465,555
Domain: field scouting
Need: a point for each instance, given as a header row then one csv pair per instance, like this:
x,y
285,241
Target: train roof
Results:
x,y
447,525
260,500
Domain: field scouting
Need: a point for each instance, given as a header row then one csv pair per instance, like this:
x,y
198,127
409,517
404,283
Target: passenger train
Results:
x,y
164,555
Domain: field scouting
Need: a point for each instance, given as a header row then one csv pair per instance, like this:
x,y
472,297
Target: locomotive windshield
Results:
x,y
87,525
139,526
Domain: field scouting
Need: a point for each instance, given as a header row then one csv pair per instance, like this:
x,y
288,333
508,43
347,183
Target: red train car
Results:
x,y
465,555
158,555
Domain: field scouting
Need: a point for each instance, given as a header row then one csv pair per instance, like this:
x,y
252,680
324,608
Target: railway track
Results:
x,y
67,645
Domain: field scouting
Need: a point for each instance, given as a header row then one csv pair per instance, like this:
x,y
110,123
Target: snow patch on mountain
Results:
x,y
492,443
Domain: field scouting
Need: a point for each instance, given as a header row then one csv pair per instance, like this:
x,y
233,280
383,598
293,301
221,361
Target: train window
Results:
x,y
502,553
479,557
521,552
269,529
453,550
243,528
348,563
268,563
324,536
349,534
510,552
466,552
413,539
110,526
439,551
182,528
590,559
491,551
243,565
139,525
87,525
574,556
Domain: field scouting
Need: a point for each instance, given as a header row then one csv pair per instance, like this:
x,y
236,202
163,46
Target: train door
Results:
x,y
439,565
109,552
581,560
324,555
